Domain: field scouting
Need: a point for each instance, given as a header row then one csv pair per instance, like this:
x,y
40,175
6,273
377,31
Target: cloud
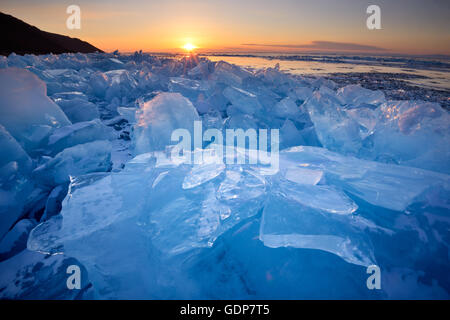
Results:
x,y
322,45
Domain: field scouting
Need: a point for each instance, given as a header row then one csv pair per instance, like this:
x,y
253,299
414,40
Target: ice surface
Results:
x,y
128,113
31,275
315,217
335,130
350,190
13,152
98,83
78,109
290,136
286,108
78,133
229,74
159,117
16,189
243,101
53,205
355,96
26,111
187,87
377,183
16,239
176,208
77,160
413,133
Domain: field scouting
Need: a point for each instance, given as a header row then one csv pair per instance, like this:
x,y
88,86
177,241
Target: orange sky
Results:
x,y
408,26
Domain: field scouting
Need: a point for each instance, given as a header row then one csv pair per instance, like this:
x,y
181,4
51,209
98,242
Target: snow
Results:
x,y
87,145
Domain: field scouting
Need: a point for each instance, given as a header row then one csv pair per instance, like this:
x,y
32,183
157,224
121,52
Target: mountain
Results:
x,y
21,38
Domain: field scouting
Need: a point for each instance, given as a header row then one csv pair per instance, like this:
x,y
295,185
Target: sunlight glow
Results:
x,y
189,47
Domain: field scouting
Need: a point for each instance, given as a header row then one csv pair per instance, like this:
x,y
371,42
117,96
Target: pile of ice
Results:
x,y
88,164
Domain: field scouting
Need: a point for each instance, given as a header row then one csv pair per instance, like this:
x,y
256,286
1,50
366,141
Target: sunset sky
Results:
x,y
408,26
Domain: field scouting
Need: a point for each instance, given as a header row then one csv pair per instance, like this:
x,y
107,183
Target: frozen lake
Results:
x,y
425,72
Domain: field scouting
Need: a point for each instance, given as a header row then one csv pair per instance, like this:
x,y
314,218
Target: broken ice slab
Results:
x,y
354,96
413,133
286,108
26,111
12,152
385,185
322,197
16,239
77,160
17,192
202,173
290,136
98,84
152,204
335,130
286,222
244,101
303,175
187,87
159,117
78,109
31,275
127,113
78,133
229,74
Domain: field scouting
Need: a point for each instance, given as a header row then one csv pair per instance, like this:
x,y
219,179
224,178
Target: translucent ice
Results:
x,y
289,220
16,239
377,183
244,101
286,108
155,227
159,117
187,87
79,159
229,74
335,130
16,189
99,83
78,109
355,96
26,112
413,133
13,152
77,133
290,136
151,202
31,275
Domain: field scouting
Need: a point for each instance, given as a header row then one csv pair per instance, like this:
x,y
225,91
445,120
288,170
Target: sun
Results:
x,y
189,47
